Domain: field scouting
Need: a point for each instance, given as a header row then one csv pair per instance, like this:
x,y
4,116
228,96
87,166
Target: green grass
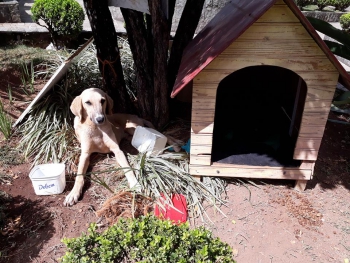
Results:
x,y
47,134
5,123
19,54
10,156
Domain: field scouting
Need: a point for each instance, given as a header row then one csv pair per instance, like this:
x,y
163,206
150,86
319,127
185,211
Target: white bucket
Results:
x,y
148,140
48,179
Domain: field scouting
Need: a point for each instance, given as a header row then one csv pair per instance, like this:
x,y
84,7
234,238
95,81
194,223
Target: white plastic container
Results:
x,y
48,179
148,140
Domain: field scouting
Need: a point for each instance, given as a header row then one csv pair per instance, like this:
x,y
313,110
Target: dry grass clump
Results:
x,y
125,205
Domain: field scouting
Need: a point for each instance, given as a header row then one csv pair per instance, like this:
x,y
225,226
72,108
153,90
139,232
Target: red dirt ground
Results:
x,y
267,221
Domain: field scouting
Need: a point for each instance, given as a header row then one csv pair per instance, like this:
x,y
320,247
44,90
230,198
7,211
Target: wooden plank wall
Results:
x,y
278,39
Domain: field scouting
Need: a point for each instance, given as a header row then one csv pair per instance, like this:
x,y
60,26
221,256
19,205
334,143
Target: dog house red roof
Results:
x,y
233,20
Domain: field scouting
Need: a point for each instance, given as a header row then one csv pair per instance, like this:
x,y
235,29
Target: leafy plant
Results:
x,y
9,92
345,22
47,134
169,173
5,123
322,4
63,18
302,3
147,239
14,55
342,48
27,78
340,5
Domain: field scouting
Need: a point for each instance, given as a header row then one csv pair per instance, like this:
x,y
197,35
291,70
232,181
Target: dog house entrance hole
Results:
x,y
257,117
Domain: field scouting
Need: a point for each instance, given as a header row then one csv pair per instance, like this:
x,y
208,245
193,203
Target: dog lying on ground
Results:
x,y
98,130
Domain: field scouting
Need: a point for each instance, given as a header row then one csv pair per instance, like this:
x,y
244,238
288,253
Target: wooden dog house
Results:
x,y
263,82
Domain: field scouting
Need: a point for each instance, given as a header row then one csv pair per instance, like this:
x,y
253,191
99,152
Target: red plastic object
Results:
x,y
178,215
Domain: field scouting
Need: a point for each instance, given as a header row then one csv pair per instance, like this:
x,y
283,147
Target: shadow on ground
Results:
x,y
28,225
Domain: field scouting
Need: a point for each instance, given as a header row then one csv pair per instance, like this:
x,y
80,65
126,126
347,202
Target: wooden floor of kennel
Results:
x,y
282,37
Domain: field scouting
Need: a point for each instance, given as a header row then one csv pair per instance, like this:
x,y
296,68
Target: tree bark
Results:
x,y
108,53
160,32
141,50
184,34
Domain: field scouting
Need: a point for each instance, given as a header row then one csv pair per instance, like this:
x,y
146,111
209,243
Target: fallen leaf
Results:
x,y
233,222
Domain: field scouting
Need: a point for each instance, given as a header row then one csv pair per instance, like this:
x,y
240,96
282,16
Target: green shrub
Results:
x,y
63,18
302,3
322,3
345,22
147,240
340,5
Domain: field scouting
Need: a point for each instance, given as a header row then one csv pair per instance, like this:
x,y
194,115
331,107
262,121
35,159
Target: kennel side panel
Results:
x,y
278,13
200,159
317,105
202,122
303,47
210,76
251,172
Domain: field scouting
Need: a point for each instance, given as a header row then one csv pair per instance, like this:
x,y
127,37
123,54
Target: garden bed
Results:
x,y
266,221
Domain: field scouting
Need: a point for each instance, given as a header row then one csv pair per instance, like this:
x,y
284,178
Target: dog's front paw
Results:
x,y
71,198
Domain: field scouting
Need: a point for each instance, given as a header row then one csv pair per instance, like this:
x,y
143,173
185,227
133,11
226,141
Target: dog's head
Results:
x,y
93,104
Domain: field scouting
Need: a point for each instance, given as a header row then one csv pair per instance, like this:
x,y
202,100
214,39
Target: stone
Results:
x,y
9,12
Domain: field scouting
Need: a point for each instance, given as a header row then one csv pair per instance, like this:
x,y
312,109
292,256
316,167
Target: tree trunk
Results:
x,y
108,53
141,50
184,34
149,39
160,33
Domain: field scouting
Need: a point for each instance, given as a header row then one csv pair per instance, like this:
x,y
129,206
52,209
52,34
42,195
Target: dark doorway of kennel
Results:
x,y
257,117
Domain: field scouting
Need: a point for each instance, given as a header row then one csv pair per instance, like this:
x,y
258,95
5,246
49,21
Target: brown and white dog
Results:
x,y
98,130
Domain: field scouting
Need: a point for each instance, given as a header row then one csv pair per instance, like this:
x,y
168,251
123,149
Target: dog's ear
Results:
x,y
77,108
109,107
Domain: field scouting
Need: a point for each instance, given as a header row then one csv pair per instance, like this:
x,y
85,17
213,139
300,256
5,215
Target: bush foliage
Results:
x,y
340,5
63,18
322,4
345,22
147,239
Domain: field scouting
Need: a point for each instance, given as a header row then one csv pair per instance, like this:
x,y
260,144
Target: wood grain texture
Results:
x,y
202,127
315,131
278,14
308,143
251,172
200,149
305,154
281,47
275,32
292,63
200,159
208,77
